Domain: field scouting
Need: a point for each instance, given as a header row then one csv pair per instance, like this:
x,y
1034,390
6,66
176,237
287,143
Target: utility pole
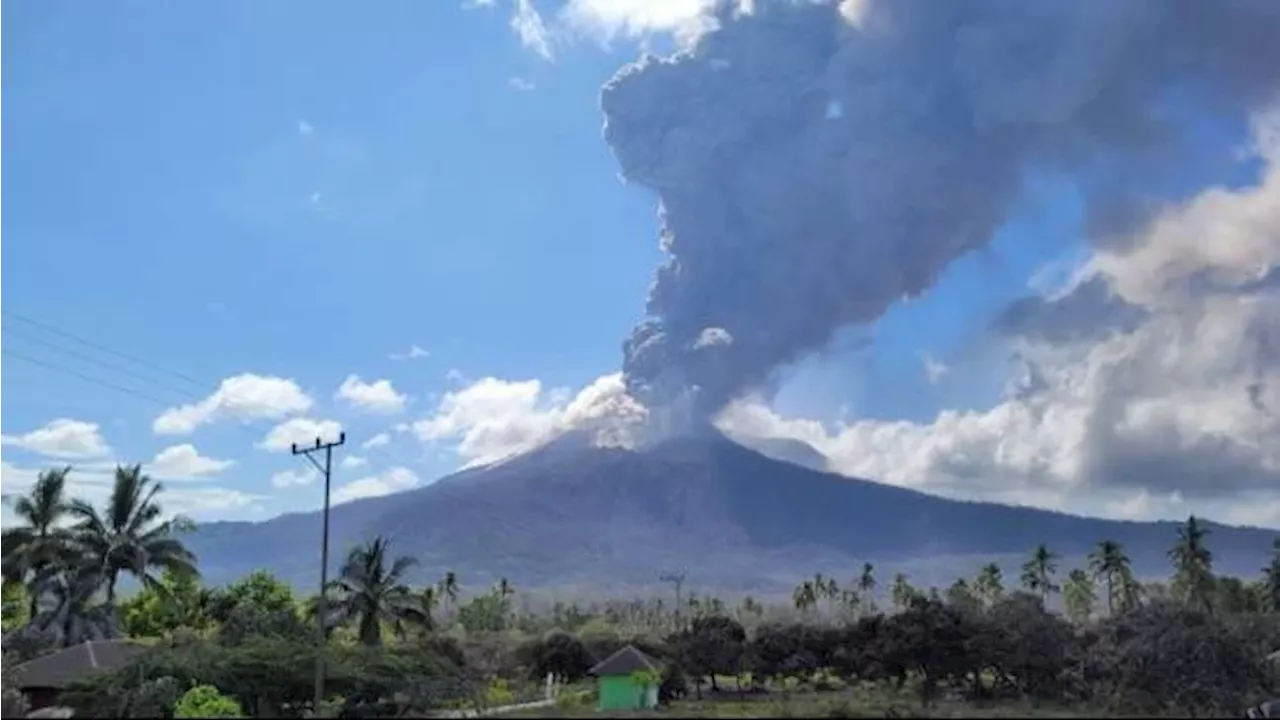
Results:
x,y
322,609
676,579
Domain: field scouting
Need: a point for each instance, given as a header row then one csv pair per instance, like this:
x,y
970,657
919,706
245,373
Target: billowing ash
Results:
x,y
817,162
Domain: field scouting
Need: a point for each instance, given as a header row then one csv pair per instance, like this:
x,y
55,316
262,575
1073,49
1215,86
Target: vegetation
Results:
x,y
978,647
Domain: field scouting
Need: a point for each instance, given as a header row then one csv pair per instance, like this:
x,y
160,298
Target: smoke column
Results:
x,y
816,162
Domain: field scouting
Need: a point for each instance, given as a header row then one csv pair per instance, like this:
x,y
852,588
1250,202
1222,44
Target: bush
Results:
x,y
204,701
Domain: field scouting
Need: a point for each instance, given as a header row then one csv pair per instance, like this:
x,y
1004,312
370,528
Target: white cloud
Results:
x,y
184,462
377,396
303,431
62,438
455,376
934,370
293,478
305,128
389,481
521,84
208,503
530,28
475,4
413,353
377,441
606,19
242,397
354,461
492,418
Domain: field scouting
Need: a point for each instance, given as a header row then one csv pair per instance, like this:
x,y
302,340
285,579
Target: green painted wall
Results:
x,y
619,692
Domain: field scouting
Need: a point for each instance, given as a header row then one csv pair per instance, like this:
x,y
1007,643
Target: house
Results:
x,y
41,679
627,680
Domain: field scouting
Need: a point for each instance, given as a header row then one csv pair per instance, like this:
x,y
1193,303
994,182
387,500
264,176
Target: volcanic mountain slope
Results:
x,y
570,514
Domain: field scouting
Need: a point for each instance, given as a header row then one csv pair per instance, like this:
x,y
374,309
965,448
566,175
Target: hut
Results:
x,y
42,678
627,680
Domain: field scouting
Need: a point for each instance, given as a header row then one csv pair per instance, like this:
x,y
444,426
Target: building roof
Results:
x,y
58,669
624,662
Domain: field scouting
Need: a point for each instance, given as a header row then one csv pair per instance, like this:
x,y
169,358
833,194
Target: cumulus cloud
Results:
x,y
934,369
519,83
243,397
293,478
377,396
302,431
62,438
354,461
184,462
389,481
1175,406
492,419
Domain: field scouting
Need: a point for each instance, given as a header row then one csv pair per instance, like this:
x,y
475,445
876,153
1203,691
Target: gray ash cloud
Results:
x,y
813,170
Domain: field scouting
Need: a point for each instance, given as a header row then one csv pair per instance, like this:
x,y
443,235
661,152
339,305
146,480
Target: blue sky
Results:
x,y
307,190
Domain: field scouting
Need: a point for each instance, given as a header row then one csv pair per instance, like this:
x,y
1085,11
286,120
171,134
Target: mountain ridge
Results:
x,y
571,514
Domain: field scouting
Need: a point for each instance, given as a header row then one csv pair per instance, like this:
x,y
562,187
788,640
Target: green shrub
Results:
x,y
204,701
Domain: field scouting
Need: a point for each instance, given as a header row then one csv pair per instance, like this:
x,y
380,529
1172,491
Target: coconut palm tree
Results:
x,y
867,587
69,606
39,542
1193,565
805,596
1078,595
371,592
1108,562
1037,573
901,592
989,585
1271,578
129,536
428,600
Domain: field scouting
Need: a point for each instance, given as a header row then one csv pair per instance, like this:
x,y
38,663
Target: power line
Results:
x,y
89,343
187,396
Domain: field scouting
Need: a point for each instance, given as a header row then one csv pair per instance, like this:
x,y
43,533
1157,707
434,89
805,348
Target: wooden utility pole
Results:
x,y
322,609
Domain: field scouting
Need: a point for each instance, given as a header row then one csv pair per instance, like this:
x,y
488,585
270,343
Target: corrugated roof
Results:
x,y
58,669
624,662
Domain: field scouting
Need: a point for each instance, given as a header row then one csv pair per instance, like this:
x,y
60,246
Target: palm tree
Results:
x,y
989,585
1037,573
130,537
428,601
1109,563
901,592
1271,578
370,592
448,587
67,607
960,595
805,596
1079,596
1193,565
40,541
867,587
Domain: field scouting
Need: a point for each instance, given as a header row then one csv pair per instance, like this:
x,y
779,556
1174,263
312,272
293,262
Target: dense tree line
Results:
x,y
1197,645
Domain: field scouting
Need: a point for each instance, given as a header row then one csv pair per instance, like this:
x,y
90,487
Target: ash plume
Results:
x,y
816,162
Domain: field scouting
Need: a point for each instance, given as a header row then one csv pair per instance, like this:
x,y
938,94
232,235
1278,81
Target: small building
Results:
x,y
42,678
628,680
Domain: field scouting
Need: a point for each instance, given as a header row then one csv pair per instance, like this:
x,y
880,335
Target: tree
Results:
x,y
371,593
40,541
449,587
68,606
204,701
961,596
867,587
16,605
1079,596
130,537
901,592
176,601
259,590
429,600
713,645
1193,566
989,585
1271,578
1109,563
805,596
1038,572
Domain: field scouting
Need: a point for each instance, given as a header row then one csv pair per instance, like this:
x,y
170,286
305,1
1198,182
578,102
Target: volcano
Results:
x,y
573,515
